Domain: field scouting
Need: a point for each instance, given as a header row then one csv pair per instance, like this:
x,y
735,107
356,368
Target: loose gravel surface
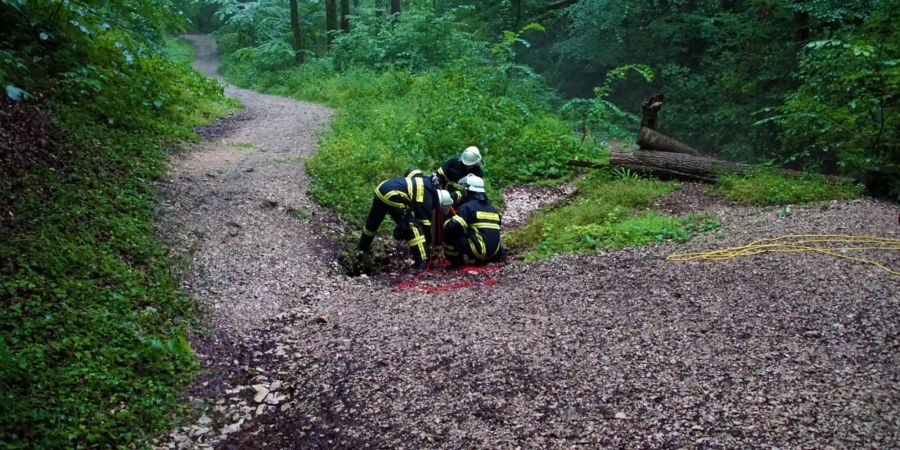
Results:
x,y
616,350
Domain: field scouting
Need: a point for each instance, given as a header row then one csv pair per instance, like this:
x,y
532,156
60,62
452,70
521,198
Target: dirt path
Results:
x,y
616,350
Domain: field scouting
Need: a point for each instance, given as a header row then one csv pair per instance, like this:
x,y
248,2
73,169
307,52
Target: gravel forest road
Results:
x,y
621,349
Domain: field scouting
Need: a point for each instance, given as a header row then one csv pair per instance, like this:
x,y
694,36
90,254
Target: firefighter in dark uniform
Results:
x,y
410,201
475,229
456,168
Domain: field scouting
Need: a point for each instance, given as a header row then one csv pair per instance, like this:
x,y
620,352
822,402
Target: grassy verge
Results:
x,y
763,187
606,214
93,346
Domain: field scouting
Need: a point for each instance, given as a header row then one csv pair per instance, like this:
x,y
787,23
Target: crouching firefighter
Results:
x,y
475,229
410,201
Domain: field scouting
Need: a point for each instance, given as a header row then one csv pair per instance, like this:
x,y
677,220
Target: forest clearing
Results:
x,y
183,275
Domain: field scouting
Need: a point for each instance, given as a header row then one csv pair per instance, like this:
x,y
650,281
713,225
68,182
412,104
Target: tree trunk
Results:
x,y
516,6
395,6
677,165
331,20
649,139
650,109
345,16
295,32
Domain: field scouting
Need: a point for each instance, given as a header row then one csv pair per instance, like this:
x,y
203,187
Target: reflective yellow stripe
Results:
x,y
440,172
418,241
460,221
427,223
413,173
488,225
368,232
478,253
409,189
386,198
487,216
420,192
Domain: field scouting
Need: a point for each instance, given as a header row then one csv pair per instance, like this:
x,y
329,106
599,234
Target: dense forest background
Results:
x,y
810,85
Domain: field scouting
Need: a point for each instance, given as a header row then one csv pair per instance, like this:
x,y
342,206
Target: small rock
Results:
x,y
200,432
275,399
321,320
260,409
233,428
246,426
270,203
621,415
261,393
812,334
210,174
275,385
204,420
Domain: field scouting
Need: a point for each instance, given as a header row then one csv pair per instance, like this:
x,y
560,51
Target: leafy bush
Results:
x,y
845,116
417,40
764,187
605,215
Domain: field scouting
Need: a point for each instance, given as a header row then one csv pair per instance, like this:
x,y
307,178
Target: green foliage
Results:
x,y
179,50
606,214
601,116
823,74
845,115
765,187
416,40
93,347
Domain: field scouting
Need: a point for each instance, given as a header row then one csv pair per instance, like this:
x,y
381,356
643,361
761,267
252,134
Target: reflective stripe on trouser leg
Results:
x,y
417,244
476,244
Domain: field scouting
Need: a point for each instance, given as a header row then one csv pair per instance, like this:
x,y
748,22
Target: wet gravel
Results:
x,y
616,350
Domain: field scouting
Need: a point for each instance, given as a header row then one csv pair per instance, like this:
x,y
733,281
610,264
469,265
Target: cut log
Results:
x,y
650,139
685,167
678,165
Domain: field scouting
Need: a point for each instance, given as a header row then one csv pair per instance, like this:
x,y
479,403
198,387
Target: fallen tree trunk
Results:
x,y
678,165
683,166
650,139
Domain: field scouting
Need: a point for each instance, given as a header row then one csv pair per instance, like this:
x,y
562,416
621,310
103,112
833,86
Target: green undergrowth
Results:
x,y
391,120
608,213
93,327
764,187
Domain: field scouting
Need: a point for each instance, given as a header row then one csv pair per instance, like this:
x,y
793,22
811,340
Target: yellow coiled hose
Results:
x,y
827,244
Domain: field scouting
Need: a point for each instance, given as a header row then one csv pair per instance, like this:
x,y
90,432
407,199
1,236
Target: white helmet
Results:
x,y
444,197
471,156
473,182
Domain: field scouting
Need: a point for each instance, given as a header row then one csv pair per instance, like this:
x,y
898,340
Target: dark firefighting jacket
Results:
x,y
453,170
480,222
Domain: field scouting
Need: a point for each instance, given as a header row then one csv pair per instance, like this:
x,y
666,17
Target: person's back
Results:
x,y
484,223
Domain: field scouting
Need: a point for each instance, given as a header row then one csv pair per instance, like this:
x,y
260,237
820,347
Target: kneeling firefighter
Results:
x,y
475,229
410,201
